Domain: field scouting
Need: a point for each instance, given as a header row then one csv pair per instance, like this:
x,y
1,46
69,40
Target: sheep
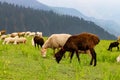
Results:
x,y
27,33
31,34
9,40
118,59
2,32
3,37
38,40
84,42
55,41
14,34
21,34
19,40
113,44
15,40
39,34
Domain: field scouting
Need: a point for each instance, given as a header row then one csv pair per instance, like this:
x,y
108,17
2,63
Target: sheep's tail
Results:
x,y
33,42
59,55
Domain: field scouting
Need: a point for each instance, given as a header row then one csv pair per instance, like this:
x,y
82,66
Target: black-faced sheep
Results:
x,y
113,44
38,40
55,41
84,42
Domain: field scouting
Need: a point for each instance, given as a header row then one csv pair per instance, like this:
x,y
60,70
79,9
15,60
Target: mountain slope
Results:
x,y
28,3
109,25
15,18
68,11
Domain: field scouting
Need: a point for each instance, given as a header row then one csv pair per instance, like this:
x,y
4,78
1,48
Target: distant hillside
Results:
x,y
15,18
28,3
106,25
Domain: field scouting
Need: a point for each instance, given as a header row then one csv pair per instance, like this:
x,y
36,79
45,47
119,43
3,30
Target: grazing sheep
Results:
x,y
14,34
27,33
113,44
21,34
118,59
15,40
9,40
84,42
19,40
38,40
39,34
55,41
2,32
31,34
2,37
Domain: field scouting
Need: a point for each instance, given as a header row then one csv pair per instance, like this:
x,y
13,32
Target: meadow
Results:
x,y
24,62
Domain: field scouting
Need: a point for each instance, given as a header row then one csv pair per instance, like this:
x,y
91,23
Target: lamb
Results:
x,y
55,41
113,44
84,42
38,40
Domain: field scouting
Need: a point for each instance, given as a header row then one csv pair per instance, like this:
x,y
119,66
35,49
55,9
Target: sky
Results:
x,y
100,9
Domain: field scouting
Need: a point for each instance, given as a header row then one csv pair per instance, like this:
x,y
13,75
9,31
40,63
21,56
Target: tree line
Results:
x,y
15,18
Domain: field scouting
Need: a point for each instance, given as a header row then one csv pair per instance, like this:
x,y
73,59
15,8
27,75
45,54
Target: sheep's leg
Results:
x,y
38,46
118,47
111,49
35,45
77,54
93,53
71,56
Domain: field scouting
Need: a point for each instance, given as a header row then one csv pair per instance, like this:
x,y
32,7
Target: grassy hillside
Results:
x,y
24,62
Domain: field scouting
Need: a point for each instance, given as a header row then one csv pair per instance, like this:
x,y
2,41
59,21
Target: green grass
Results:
x,y
24,62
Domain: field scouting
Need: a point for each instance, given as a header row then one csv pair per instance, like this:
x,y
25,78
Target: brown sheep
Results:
x,y
39,41
84,42
113,44
2,32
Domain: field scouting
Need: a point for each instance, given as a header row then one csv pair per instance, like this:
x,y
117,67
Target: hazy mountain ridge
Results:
x,y
45,20
28,3
105,24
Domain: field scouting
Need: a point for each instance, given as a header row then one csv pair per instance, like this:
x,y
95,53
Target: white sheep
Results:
x,y
27,33
9,40
55,41
21,34
2,37
14,34
31,34
39,34
118,59
20,40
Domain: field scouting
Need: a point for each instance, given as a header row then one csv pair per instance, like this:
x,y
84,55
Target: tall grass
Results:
x,y
24,62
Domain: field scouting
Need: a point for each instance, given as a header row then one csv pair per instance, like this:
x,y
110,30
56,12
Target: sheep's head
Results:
x,y
43,52
59,55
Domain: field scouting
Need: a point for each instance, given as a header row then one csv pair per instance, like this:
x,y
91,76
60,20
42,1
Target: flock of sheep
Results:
x,y
84,42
